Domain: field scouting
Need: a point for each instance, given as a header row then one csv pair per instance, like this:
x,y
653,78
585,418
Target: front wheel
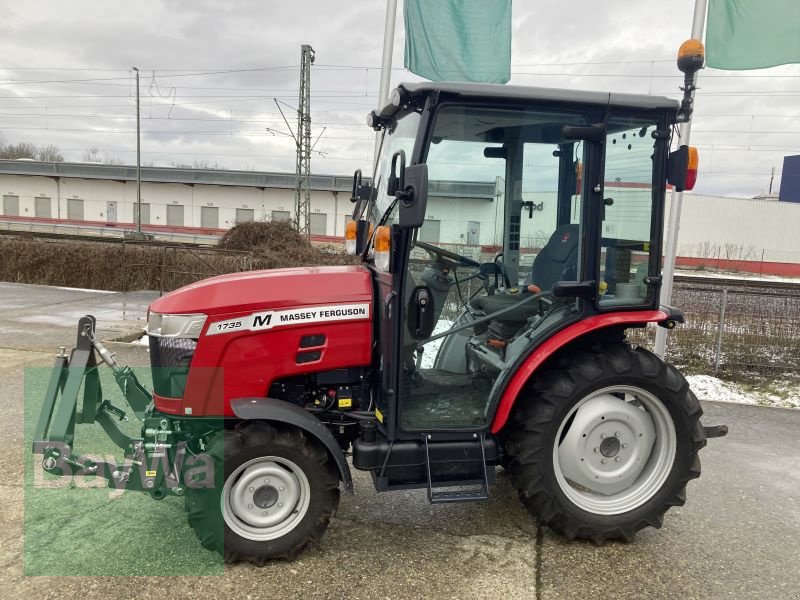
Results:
x,y
604,443
275,492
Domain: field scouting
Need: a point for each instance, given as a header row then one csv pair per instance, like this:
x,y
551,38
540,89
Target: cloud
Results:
x,y
190,112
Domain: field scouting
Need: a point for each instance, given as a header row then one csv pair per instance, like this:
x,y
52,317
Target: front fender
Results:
x,y
270,409
558,341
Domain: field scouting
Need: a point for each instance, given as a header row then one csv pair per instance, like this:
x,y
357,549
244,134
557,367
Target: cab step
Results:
x,y
458,491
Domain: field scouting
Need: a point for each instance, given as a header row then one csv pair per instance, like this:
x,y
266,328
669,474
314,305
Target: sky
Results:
x,y
211,73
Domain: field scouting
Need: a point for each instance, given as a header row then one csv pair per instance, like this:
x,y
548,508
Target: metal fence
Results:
x,y
744,333
178,266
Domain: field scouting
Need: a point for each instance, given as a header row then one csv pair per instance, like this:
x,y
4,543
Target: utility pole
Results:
x,y
771,179
386,64
676,200
138,162
303,168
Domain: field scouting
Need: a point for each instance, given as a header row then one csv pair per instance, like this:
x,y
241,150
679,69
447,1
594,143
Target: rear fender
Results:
x,y
562,339
279,411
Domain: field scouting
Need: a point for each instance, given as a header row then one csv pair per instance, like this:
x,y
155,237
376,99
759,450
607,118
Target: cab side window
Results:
x,y
627,225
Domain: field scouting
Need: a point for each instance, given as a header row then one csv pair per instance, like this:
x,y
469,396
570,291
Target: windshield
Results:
x,y
400,137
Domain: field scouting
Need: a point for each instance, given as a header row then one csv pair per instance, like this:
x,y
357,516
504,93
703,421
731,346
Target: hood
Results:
x,y
263,290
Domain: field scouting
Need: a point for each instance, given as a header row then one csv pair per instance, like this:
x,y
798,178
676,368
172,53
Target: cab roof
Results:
x,y
521,93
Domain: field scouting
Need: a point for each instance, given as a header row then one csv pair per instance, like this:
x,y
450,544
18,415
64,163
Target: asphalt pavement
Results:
x,y
738,536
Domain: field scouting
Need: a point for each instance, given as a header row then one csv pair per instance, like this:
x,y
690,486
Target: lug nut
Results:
x,y
617,434
597,449
603,460
251,489
280,488
280,504
616,459
602,436
624,445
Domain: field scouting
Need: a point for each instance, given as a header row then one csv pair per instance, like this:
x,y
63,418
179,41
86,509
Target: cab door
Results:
x,y
399,137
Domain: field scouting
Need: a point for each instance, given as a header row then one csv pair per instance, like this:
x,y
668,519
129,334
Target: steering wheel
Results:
x,y
448,254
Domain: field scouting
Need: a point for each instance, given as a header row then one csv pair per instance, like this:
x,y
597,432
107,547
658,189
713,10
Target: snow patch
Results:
x,y
432,349
783,394
72,289
706,387
142,341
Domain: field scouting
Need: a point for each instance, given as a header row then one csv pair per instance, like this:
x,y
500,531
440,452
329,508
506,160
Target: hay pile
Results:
x,y
277,244
258,236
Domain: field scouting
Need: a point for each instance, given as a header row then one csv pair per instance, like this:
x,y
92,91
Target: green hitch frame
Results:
x,y
54,435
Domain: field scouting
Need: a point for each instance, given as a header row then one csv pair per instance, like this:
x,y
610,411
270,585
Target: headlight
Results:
x,y
175,326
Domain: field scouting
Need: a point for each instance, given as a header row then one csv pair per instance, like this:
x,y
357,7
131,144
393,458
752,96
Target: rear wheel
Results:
x,y
604,443
274,493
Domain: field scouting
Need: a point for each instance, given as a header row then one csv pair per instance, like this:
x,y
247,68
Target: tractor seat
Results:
x,y
557,261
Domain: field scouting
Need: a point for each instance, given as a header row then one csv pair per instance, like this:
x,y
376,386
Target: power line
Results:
x,y
361,67
259,132
200,119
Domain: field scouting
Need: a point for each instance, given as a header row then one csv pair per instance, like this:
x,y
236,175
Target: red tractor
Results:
x,y
509,239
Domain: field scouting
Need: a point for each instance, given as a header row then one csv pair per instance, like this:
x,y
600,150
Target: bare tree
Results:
x,y
206,164
21,150
49,153
111,159
91,155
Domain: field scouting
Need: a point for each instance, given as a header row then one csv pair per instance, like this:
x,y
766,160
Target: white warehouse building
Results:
x,y
207,202
203,199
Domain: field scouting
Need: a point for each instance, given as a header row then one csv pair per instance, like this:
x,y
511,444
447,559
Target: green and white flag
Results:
x,y
752,34
459,40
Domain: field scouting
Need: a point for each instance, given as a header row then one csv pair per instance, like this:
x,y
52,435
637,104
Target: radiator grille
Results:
x,y
170,359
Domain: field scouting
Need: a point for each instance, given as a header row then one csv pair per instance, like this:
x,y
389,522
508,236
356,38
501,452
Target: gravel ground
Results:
x,y
737,536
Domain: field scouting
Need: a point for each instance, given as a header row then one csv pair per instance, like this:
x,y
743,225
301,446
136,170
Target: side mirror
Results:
x,y
420,314
413,197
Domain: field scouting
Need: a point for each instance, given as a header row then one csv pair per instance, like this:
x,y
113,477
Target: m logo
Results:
x,y
262,321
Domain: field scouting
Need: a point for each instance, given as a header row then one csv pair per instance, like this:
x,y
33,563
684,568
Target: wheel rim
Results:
x,y
614,450
265,498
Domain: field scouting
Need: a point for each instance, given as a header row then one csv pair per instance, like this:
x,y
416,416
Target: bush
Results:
x,y
117,266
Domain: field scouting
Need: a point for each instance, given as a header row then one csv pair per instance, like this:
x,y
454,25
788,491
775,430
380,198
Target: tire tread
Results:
x,y
538,407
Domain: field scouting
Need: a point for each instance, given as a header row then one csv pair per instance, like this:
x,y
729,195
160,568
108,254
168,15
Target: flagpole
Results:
x,y
676,199
386,63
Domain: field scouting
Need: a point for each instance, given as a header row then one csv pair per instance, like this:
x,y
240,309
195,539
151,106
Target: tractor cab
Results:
x,y
501,215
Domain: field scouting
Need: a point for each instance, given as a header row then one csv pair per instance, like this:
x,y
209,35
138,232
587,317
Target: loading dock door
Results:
x,y
11,206
209,217
473,233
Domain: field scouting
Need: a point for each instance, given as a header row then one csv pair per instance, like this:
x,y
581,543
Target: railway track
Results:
x,y
96,238
738,283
